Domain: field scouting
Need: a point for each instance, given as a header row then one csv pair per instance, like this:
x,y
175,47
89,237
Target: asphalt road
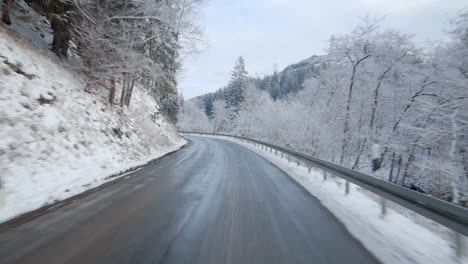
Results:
x,y
212,202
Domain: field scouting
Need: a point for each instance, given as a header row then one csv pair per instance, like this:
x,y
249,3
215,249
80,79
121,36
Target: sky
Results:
x,y
277,33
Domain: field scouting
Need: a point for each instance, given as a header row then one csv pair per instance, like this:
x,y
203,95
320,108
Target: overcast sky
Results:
x,y
281,32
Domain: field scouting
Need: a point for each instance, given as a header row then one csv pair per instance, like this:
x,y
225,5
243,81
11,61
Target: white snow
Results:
x,y
30,24
56,140
394,238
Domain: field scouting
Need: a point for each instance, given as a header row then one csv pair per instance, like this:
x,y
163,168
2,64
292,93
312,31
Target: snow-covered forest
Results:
x,y
118,44
88,90
374,86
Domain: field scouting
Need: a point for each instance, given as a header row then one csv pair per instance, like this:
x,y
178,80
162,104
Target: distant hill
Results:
x,y
279,84
314,62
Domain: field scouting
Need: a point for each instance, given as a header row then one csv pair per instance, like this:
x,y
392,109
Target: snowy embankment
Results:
x,y
56,140
394,238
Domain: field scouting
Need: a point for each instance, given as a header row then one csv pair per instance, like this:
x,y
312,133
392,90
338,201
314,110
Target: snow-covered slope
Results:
x,y
312,63
57,140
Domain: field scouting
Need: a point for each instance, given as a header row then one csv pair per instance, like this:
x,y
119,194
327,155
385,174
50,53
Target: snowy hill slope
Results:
x,y
57,140
312,63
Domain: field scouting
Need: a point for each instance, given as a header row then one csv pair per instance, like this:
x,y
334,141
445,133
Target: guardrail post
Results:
x,y
347,187
383,203
324,175
271,149
281,154
276,152
298,162
289,158
309,168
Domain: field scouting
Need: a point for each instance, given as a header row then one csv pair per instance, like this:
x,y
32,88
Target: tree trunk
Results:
x,y
362,142
392,165
128,96
6,12
348,109
124,90
463,151
112,92
348,106
60,22
397,176
410,160
360,150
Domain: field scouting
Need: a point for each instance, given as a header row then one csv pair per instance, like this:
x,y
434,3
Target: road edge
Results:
x,y
112,179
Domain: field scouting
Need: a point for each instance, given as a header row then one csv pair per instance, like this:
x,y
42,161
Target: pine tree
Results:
x,y
235,91
208,104
275,88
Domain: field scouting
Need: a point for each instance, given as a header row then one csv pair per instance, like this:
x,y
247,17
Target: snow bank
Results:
x,y
56,140
393,239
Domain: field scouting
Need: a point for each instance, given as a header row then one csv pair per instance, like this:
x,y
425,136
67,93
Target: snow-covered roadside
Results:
x,y
56,140
393,239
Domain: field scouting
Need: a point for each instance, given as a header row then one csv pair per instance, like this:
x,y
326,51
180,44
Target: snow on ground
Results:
x,y
56,140
393,239
30,24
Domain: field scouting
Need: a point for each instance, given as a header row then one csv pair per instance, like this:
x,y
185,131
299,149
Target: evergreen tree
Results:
x,y
235,91
208,104
275,88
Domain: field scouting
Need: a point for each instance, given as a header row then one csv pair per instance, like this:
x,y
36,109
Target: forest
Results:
x,y
119,44
373,87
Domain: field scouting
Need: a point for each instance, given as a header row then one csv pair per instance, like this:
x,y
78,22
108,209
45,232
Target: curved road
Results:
x,y
212,202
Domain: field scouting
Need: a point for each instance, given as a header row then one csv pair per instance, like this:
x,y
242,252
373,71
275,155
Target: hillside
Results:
x,y
279,85
59,139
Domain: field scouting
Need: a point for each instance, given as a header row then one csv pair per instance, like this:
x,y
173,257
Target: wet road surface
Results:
x,y
211,202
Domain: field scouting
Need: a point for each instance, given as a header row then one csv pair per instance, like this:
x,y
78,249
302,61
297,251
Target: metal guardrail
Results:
x,y
447,214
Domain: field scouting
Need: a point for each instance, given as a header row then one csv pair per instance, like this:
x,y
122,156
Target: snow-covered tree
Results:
x,y
192,118
235,91
122,43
